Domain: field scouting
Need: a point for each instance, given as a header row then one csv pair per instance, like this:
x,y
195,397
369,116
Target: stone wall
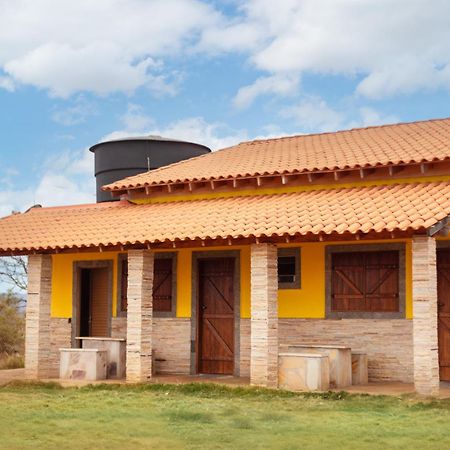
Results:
x,y
426,360
244,353
264,315
140,316
172,345
37,323
387,342
60,337
171,342
119,327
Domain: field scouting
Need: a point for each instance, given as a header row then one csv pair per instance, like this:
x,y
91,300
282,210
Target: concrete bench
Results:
x,y
360,373
116,349
83,364
340,361
303,372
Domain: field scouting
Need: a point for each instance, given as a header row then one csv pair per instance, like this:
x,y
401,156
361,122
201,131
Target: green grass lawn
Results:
x,y
200,416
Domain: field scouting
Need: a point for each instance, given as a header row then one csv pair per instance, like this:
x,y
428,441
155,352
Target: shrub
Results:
x,y
11,361
12,325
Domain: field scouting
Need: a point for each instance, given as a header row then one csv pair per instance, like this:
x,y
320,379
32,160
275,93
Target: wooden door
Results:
x,y
99,304
443,272
216,316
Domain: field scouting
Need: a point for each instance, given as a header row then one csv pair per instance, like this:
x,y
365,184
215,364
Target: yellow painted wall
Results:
x,y
184,279
286,189
62,280
307,302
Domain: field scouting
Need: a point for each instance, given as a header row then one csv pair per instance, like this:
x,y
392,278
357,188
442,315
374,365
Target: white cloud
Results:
x,y
115,45
371,117
281,85
101,47
7,83
75,114
135,118
313,114
64,180
395,47
194,129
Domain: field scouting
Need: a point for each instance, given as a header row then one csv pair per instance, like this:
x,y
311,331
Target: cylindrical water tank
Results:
x,y
123,158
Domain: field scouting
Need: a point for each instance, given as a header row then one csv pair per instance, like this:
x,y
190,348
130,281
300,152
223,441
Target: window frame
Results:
x,y
172,313
332,249
296,253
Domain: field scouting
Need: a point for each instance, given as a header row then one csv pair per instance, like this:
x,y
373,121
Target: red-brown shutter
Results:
x,y
365,281
162,285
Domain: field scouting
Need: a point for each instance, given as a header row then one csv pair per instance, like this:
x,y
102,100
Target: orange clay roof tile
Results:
x,y
364,147
347,210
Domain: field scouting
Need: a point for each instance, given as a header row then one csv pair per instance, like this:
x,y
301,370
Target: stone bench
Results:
x,y
116,348
360,373
340,361
303,372
83,364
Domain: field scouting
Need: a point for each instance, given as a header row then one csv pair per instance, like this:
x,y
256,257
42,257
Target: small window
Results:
x,y
289,268
163,284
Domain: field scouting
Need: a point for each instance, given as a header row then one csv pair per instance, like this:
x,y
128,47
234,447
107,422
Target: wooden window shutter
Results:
x,y
365,281
123,284
162,285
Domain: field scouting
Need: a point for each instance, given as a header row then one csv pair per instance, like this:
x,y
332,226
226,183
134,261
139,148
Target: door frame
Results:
x,y
196,258
440,245
76,271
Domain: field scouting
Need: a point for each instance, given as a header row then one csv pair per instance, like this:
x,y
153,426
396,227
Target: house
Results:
x,y
209,264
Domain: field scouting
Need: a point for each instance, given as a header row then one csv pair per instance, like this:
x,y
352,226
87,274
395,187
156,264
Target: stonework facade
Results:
x,y
388,343
119,327
426,359
244,350
172,345
37,327
139,315
264,315
60,337
171,339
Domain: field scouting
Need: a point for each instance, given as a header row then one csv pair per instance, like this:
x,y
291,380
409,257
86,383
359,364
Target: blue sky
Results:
x,y
73,73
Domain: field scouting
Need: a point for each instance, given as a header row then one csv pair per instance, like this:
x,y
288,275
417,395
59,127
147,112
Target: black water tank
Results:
x,y
123,158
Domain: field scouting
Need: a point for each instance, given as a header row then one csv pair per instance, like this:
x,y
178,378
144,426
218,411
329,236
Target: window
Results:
x,y
163,284
365,282
289,268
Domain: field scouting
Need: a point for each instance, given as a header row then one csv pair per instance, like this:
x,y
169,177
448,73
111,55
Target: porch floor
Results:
x,y
386,388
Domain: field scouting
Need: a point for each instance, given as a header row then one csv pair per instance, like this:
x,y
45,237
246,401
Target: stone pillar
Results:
x,y
425,336
264,316
37,326
139,316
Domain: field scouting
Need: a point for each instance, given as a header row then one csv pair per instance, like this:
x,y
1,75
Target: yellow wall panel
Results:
x,y
62,280
306,302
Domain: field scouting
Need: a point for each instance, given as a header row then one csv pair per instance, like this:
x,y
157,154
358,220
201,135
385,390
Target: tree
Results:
x,y
12,324
13,271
